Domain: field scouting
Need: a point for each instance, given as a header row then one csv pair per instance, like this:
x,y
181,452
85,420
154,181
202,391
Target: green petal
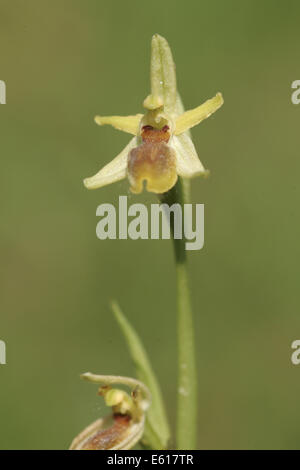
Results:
x,y
194,116
129,124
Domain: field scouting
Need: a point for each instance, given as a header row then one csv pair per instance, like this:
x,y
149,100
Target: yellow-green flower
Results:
x,y
161,149
122,429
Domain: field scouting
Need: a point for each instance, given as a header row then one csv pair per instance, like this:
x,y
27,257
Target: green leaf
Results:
x,y
157,431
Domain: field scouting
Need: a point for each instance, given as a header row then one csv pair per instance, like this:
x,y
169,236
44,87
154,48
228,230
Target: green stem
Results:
x,y
187,373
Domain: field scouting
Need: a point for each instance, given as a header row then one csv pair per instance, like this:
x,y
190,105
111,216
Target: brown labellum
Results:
x,y
110,433
153,162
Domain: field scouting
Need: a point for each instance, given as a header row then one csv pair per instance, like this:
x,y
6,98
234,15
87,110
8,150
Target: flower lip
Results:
x,y
109,437
153,163
116,432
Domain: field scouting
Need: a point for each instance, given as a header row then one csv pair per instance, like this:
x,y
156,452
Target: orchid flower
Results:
x,y
122,429
161,149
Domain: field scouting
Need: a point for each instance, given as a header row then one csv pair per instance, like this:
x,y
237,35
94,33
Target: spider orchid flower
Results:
x,y
161,149
122,429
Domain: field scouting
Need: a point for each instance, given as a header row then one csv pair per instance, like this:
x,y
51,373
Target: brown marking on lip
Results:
x,y
108,438
149,134
153,162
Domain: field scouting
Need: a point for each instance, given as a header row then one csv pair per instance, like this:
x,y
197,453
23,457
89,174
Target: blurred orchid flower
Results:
x,y
123,429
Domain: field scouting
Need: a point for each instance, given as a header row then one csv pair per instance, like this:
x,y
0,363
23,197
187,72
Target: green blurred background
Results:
x,y
64,61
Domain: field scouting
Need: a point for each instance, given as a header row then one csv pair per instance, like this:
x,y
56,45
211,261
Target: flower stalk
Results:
x,y
186,433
